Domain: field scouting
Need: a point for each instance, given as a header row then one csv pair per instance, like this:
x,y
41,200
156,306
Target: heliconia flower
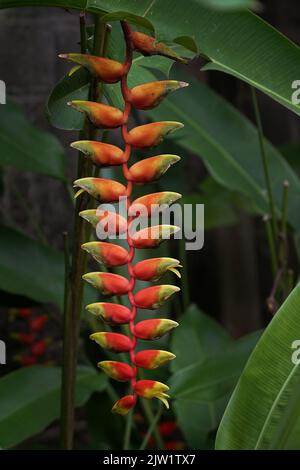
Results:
x,y
106,70
115,342
152,358
110,222
102,189
117,370
154,268
24,338
148,135
101,115
154,297
38,323
149,95
151,237
154,328
148,45
107,253
124,405
152,389
108,283
152,203
110,313
151,169
40,347
100,153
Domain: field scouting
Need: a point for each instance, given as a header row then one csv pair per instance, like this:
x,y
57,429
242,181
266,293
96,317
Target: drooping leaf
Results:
x,y
264,407
30,399
29,268
25,147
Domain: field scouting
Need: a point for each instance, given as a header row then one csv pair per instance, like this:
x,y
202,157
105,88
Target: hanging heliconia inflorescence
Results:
x,y
102,154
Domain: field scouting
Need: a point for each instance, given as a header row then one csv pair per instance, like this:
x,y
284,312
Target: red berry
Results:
x,y
24,312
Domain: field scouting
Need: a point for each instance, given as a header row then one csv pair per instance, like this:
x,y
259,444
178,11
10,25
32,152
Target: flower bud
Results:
x,y
108,283
114,342
152,389
110,313
151,169
155,296
148,135
152,358
106,70
124,405
148,45
154,328
154,268
167,428
109,222
149,95
102,189
152,203
100,153
151,237
117,370
107,253
101,115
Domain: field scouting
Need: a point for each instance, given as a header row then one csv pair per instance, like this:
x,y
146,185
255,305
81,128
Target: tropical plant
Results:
x,y
250,385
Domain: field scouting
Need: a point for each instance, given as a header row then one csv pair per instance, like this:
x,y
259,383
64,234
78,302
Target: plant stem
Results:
x,y
265,167
272,248
151,420
128,429
73,300
151,428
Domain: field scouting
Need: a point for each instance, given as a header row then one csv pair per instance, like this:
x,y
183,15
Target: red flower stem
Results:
x,y
126,93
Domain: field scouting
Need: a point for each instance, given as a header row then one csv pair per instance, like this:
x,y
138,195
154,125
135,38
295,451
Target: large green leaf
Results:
x,y
238,43
30,399
27,267
202,334
202,389
228,144
265,404
25,147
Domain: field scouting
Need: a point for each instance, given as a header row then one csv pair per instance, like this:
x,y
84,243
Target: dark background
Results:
x,y
230,278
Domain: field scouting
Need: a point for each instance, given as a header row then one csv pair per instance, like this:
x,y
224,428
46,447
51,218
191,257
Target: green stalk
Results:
x,y
265,167
127,436
151,420
151,428
74,295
